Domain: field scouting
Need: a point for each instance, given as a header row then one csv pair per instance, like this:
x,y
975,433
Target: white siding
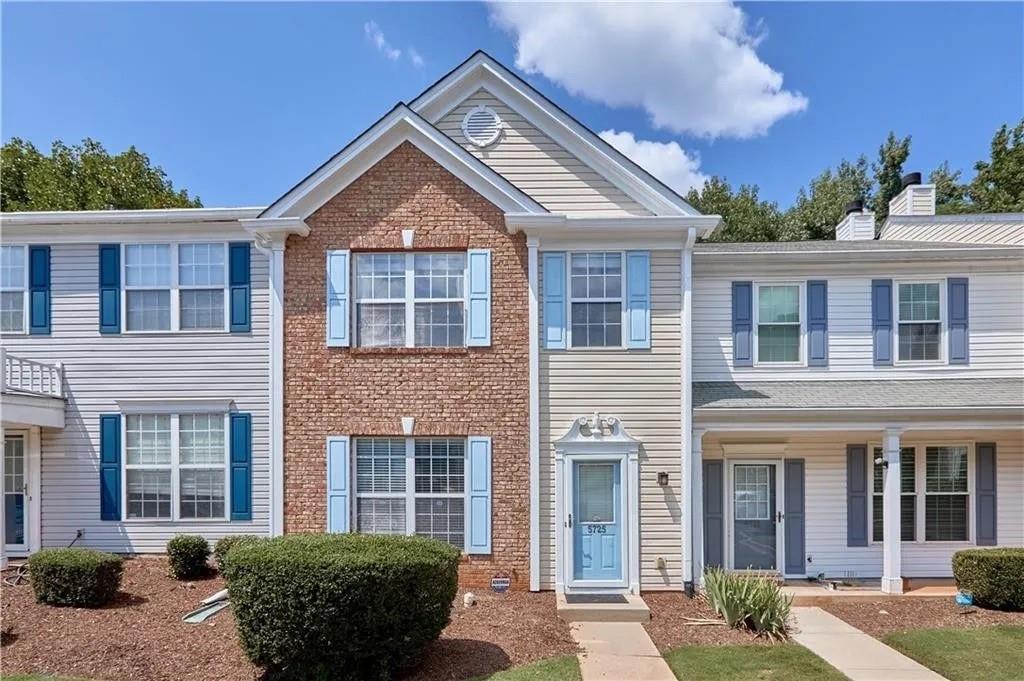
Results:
x,y
100,369
824,457
996,325
971,229
642,388
538,165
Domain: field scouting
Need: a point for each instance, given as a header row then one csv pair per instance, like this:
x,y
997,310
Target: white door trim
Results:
x,y
581,585
30,437
780,534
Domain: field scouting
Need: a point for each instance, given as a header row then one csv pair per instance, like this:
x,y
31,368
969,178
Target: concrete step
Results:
x,y
633,610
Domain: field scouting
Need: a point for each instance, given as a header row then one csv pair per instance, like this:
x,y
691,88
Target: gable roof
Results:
x,y
483,71
401,124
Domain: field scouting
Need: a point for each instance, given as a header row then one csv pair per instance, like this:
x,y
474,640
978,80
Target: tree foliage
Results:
x,y
998,186
745,216
822,205
83,177
950,193
888,172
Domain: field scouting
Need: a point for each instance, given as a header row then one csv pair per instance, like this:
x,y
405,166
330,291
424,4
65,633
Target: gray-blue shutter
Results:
x,y
856,495
796,526
958,321
881,321
742,324
817,323
714,514
554,301
985,465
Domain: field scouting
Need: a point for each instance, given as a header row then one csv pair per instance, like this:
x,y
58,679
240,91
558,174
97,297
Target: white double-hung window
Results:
x,y
919,321
175,466
595,300
410,299
778,324
172,287
13,288
947,496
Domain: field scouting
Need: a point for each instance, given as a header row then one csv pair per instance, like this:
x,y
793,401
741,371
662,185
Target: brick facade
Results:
x,y
451,392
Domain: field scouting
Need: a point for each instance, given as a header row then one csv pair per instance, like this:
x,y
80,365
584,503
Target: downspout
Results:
x,y
686,406
533,244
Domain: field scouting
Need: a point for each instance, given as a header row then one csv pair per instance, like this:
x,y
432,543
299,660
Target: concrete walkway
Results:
x,y
851,651
618,651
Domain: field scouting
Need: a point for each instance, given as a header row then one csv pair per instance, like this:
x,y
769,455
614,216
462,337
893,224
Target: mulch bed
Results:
x,y
141,635
669,627
881,617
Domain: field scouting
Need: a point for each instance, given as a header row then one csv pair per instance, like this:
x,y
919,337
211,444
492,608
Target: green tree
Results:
x,y
745,216
998,186
950,193
888,170
83,177
822,205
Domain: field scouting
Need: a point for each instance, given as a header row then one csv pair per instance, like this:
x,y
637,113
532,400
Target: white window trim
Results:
x,y
175,466
941,321
877,492
23,289
570,299
175,288
801,311
409,300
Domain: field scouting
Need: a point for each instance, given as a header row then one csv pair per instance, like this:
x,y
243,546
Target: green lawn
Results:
x,y
990,653
565,668
785,661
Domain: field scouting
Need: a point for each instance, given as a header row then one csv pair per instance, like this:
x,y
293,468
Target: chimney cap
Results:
x,y
910,179
855,206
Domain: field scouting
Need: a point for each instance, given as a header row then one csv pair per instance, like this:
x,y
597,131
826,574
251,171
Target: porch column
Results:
x,y
276,415
697,506
892,575
532,244
3,482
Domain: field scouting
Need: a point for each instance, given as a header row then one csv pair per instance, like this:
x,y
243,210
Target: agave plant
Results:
x,y
748,602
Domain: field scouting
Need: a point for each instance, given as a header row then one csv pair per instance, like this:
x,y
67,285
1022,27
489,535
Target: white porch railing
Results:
x,y
27,376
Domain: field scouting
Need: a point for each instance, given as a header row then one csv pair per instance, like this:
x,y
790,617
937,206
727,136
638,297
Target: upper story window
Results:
x,y
13,288
778,325
595,288
175,287
919,321
410,299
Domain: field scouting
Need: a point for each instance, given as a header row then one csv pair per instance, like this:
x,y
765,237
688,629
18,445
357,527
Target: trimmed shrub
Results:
x,y
225,544
78,577
187,555
993,577
754,603
318,606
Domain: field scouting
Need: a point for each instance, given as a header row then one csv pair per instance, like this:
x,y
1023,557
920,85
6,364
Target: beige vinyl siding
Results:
x,y
539,166
824,456
996,324
101,369
992,230
642,387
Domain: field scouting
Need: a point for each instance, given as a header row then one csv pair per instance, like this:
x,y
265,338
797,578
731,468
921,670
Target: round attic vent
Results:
x,y
481,126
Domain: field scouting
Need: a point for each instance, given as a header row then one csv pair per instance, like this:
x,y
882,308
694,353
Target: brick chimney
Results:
x,y
915,199
858,225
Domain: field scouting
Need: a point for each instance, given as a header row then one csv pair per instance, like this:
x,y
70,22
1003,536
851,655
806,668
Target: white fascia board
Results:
x,y
401,125
140,225
860,256
631,227
815,418
157,216
481,71
956,219
275,229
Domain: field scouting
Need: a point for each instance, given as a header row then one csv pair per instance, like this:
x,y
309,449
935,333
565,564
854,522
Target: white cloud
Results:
x,y
693,67
415,57
376,36
667,161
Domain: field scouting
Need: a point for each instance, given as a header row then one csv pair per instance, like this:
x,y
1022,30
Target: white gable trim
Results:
x,y
481,71
400,125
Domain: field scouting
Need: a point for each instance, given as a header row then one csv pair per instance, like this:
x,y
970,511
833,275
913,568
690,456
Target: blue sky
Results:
x,y
238,102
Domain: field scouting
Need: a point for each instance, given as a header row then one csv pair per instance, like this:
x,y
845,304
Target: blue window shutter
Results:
x,y
110,467
337,298
478,510
554,300
714,514
742,324
817,323
796,526
241,466
881,321
478,298
110,288
856,495
337,483
239,280
986,489
958,321
39,290
638,299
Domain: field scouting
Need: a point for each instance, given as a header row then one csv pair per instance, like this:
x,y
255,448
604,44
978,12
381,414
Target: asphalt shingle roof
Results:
x,y
830,245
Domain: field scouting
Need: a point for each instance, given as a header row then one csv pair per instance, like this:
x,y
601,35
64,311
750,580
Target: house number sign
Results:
x,y
596,529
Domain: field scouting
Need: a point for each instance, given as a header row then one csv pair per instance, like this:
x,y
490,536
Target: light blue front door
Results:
x,y
597,523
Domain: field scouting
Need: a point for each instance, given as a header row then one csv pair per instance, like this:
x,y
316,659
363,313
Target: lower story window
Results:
x,y
908,498
947,499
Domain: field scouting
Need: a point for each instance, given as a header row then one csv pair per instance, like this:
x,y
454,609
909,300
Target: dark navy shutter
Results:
x,y
110,288
714,514
742,323
817,323
241,466
110,467
856,495
239,280
39,290
958,321
986,491
881,321
795,525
